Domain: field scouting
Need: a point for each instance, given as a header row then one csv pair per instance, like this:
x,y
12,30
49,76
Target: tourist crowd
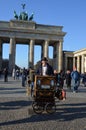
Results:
x,y
71,79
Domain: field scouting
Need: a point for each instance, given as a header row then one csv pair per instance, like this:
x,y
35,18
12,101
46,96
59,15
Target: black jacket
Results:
x,y
48,72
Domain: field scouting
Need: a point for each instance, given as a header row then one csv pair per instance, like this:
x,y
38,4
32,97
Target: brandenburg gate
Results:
x,y
30,33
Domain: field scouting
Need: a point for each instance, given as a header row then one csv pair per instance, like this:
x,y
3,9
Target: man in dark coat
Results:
x,y
5,75
24,76
68,79
75,75
45,68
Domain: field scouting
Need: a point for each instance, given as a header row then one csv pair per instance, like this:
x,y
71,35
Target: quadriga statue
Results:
x,y
23,16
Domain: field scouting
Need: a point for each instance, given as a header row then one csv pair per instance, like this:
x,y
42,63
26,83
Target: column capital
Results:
x,y
12,37
47,40
61,41
32,39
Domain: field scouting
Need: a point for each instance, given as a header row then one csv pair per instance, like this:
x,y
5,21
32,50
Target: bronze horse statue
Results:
x,y
15,14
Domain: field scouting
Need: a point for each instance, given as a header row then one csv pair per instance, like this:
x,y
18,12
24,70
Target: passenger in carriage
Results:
x,y
45,69
58,79
60,92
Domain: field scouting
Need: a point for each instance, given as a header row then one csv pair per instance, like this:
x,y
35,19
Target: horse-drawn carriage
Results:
x,y
45,93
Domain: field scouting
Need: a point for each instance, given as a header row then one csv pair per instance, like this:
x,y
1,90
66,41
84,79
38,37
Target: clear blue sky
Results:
x,y
71,14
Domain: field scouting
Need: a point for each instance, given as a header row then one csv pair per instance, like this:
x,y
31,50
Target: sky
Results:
x,y
71,14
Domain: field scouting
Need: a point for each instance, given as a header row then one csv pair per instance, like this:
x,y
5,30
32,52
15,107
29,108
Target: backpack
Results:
x,y
76,75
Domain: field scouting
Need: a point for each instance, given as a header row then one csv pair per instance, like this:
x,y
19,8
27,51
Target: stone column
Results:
x,y
74,62
54,50
82,64
60,55
31,53
41,51
66,62
0,54
46,48
55,55
85,63
78,63
12,54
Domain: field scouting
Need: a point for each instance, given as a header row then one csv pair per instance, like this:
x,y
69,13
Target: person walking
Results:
x,y
59,81
62,78
84,79
24,76
17,74
31,80
14,74
5,75
75,75
68,79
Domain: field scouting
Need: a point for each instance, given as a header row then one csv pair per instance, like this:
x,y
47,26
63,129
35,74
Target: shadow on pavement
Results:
x,y
14,104
74,111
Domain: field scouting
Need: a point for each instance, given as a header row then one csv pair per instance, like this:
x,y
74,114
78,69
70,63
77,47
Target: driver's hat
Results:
x,y
44,59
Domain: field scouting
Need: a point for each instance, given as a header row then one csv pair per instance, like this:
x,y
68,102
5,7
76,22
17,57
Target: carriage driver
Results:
x,y
45,69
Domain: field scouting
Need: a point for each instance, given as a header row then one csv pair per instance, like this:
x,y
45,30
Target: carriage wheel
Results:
x,y
37,108
50,108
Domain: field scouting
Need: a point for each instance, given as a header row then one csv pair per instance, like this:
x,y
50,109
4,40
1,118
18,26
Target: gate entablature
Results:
x,y
30,30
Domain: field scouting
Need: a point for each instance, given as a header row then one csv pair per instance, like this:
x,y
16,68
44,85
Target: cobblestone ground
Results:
x,y
15,114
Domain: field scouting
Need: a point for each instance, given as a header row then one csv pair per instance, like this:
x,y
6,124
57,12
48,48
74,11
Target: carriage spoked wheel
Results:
x,y
37,108
50,108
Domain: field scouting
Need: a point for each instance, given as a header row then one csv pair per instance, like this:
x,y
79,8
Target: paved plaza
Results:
x,y
15,105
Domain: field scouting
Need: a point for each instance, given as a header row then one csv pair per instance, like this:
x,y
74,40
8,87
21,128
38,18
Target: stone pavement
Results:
x,y
12,88
14,106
